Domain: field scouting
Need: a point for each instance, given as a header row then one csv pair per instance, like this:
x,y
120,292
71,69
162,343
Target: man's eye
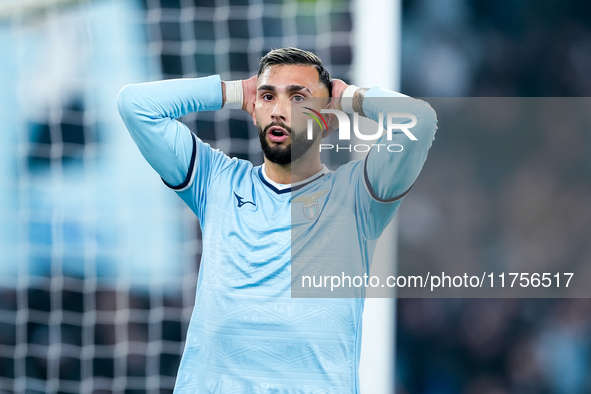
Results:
x,y
298,99
267,97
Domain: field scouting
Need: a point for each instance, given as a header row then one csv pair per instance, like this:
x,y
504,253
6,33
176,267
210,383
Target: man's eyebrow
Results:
x,y
289,88
267,87
295,88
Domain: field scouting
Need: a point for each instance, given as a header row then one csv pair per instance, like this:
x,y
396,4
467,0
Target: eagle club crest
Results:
x,y
311,207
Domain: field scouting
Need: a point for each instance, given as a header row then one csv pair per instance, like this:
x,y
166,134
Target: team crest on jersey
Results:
x,y
311,207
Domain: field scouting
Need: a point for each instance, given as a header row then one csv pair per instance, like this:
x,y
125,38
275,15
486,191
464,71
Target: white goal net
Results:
x,y
98,261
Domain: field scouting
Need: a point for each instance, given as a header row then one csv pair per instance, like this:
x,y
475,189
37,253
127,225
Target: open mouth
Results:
x,y
277,134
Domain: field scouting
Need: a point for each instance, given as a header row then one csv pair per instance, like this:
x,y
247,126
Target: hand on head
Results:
x,y
249,88
338,87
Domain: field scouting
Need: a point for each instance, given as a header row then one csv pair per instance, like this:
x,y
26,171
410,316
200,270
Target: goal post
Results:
x,y
377,46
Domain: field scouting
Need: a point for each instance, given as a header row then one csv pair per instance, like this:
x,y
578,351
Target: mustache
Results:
x,y
272,124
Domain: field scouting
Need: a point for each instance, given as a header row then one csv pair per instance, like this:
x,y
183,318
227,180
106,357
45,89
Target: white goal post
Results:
x,y
377,26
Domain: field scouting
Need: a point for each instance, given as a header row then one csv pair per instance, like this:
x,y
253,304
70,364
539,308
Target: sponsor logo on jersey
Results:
x,y
241,201
311,208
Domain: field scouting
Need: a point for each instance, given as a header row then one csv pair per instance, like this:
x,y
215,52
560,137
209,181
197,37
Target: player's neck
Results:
x,y
297,171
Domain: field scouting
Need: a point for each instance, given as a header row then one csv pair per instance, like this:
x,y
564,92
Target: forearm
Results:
x,y
390,174
150,110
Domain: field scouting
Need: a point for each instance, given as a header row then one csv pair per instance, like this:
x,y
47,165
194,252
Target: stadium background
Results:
x,y
98,261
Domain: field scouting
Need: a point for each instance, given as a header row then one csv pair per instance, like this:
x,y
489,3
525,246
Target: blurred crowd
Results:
x,y
496,48
500,195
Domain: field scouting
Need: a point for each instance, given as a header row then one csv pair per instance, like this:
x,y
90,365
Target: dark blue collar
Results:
x,y
287,189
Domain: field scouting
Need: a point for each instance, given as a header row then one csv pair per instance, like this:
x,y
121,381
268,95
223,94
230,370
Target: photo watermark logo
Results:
x,y
393,126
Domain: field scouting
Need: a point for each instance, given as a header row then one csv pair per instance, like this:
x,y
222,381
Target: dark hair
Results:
x,y
296,56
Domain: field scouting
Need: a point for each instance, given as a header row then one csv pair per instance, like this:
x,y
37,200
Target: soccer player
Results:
x,y
247,334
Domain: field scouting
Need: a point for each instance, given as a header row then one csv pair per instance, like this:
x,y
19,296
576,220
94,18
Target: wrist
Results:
x,y
352,99
346,101
358,97
233,94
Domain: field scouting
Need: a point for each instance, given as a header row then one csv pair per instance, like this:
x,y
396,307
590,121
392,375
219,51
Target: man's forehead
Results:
x,y
285,75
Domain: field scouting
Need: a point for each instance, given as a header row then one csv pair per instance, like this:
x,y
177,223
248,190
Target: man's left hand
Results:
x,y
338,87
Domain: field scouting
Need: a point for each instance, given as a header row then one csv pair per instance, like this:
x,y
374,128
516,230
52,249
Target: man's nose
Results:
x,y
281,111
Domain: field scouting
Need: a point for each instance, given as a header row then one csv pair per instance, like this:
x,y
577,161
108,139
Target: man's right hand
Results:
x,y
249,88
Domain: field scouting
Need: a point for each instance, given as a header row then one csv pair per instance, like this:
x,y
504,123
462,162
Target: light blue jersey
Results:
x,y
247,334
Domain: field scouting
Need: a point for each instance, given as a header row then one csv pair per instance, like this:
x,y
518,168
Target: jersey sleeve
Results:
x,y
388,175
184,162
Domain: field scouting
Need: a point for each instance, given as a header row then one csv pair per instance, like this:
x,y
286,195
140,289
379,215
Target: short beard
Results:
x,y
284,155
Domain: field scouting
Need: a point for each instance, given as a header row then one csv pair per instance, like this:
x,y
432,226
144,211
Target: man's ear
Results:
x,y
331,120
254,116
